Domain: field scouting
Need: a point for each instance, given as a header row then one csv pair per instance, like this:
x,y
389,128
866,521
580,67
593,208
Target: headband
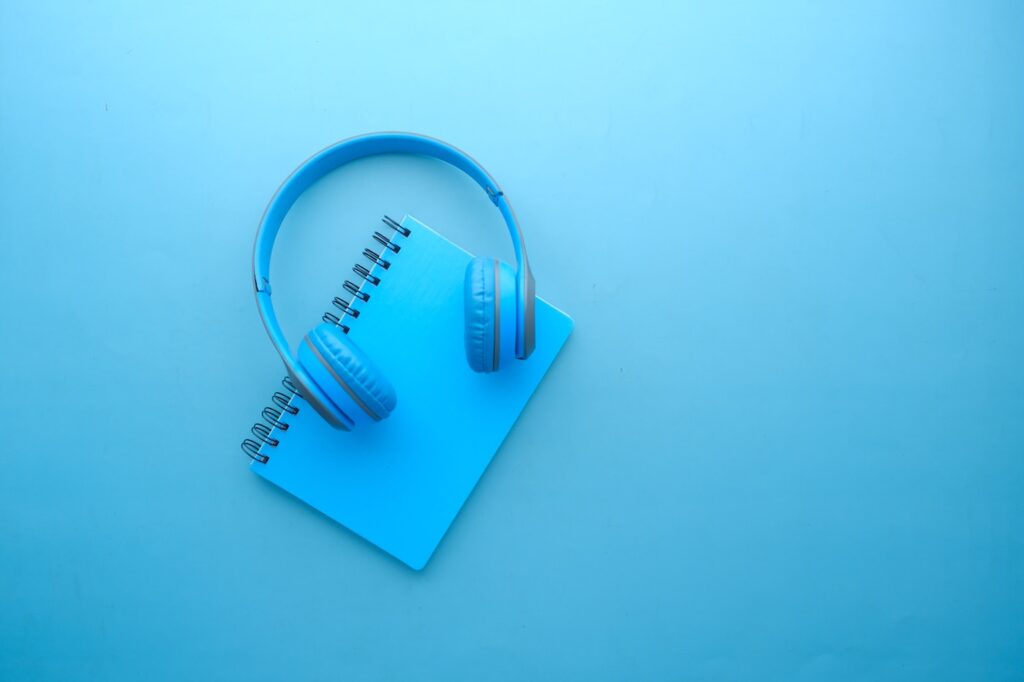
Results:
x,y
333,157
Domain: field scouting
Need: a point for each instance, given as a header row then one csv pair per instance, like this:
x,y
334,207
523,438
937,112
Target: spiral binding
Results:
x,y
275,416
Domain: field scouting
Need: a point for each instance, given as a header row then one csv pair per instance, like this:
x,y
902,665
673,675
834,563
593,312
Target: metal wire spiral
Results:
x,y
273,419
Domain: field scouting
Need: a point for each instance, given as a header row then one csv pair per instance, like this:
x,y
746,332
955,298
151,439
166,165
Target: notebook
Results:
x,y
399,483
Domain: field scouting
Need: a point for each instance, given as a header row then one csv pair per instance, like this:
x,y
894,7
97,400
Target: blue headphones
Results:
x,y
330,371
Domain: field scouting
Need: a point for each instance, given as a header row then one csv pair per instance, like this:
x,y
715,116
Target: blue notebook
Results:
x,y
399,483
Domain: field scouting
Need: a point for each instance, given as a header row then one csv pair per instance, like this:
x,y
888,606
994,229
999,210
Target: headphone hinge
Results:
x,y
495,194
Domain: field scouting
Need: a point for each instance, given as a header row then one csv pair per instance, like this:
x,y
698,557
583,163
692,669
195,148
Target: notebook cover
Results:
x,y
399,483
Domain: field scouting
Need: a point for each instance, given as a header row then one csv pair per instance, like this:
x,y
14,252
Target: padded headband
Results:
x,y
374,144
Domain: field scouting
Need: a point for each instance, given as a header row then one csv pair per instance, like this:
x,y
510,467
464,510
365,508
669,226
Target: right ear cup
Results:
x,y
489,300
482,334
355,388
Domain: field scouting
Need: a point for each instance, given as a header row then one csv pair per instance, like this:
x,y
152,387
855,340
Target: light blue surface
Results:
x,y
784,442
401,482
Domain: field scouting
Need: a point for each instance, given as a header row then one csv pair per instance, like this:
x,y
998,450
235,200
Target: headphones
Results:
x,y
338,379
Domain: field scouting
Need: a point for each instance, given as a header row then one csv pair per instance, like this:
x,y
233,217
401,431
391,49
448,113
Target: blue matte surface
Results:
x,y
784,442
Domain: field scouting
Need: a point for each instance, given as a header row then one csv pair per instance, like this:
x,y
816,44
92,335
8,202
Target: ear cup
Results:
x,y
347,375
482,316
489,296
318,400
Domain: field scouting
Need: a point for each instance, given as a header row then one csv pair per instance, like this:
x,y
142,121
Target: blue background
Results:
x,y
784,442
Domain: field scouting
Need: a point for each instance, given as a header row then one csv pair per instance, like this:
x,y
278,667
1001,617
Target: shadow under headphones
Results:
x,y
338,379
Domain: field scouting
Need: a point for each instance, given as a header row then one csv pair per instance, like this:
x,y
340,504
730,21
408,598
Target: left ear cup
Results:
x,y
317,399
347,375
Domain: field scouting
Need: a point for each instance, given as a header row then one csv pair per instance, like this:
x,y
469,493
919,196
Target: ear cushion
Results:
x,y
352,371
480,303
318,399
